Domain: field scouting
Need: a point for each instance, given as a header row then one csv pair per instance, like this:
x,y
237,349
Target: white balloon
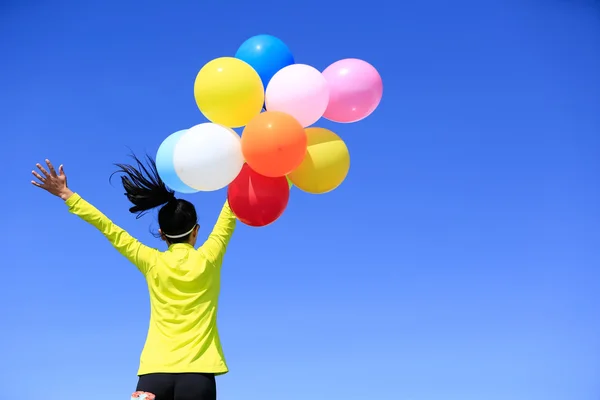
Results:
x,y
208,157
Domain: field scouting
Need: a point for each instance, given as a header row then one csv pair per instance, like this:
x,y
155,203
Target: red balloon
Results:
x,y
257,200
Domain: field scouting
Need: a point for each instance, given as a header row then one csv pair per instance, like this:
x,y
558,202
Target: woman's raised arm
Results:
x,y
56,183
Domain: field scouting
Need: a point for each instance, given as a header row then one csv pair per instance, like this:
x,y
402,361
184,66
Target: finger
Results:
x,y
41,178
46,174
34,183
51,167
61,170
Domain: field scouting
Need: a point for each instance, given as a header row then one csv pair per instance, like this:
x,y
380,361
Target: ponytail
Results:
x,y
143,186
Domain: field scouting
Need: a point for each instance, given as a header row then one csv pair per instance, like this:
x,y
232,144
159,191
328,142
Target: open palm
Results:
x,y
52,182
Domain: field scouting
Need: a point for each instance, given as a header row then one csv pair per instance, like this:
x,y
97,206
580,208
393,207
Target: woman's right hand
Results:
x,y
52,182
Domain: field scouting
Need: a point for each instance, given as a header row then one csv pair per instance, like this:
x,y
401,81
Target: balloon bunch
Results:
x,y
275,100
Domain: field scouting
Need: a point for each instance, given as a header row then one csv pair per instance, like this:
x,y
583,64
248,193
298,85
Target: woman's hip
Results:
x,y
179,386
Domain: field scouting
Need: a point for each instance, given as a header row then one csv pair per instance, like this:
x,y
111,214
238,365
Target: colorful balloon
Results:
x,y
229,92
208,157
266,54
299,90
257,200
355,90
273,143
166,167
325,165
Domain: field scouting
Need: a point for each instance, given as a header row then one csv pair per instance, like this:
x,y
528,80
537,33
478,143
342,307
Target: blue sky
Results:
x,y
458,261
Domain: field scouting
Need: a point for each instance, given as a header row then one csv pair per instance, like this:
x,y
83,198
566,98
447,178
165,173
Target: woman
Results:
x,y
183,352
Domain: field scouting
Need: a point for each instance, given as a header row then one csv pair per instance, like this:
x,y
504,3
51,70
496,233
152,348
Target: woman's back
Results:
x,y
184,286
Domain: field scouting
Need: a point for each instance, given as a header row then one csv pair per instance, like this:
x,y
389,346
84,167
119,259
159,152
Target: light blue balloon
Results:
x,y
266,54
166,167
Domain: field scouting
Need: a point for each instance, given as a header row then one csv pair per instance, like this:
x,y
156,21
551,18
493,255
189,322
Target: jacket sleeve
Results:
x,y
215,246
141,256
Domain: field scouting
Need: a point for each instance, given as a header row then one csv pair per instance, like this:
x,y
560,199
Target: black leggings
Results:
x,y
179,386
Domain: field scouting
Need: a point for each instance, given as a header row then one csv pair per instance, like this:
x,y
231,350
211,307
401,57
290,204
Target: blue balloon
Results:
x,y
166,167
266,54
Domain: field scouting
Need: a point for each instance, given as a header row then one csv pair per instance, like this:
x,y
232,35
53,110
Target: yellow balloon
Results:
x,y
229,92
325,165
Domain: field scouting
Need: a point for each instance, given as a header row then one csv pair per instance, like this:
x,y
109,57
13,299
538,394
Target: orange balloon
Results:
x,y
274,143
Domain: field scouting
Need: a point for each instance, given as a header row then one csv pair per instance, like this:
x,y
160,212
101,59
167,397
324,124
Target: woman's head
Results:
x,y
177,218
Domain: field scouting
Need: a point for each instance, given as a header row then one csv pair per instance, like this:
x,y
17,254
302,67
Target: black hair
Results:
x,y
145,190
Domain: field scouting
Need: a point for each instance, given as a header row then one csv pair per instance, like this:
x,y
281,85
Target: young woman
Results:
x,y
183,352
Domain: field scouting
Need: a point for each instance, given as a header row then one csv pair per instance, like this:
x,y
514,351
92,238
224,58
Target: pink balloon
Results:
x,y
355,90
300,91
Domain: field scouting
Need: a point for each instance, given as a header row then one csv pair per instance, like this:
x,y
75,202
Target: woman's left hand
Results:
x,y
52,182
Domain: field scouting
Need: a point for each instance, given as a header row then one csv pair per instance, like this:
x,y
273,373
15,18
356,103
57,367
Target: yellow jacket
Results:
x,y
184,286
